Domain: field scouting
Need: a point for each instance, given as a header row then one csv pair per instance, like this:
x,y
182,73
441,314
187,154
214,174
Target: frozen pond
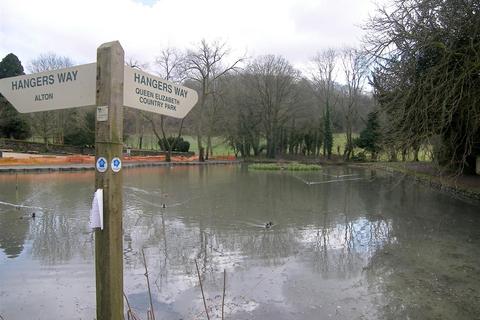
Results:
x,y
345,244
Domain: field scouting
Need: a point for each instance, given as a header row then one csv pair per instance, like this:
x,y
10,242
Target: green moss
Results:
x,y
302,167
293,166
264,166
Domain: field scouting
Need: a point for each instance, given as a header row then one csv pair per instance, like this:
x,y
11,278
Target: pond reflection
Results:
x,y
13,232
345,243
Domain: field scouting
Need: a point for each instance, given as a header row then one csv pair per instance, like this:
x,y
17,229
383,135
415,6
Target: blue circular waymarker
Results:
x,y
116,164
101,164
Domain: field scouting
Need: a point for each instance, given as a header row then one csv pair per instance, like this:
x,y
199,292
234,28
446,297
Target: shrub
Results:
x,y
182,146
359,157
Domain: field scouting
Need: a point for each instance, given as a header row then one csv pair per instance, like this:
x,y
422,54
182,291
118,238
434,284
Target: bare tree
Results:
x,y
239,118
323,77
426,67
49,61
355,70
135,119
272,81
49,124
171,63
133,62
205,65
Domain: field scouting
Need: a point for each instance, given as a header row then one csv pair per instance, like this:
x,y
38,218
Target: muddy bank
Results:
x,y
465,187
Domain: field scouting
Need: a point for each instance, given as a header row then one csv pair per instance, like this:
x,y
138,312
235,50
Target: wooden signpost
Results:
x,y
115,86
109,144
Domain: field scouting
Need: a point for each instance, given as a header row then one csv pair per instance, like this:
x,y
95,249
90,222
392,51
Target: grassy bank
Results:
x,y
462,186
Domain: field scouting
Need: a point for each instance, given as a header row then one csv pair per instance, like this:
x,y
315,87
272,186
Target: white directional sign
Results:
x,y
52,90
150,93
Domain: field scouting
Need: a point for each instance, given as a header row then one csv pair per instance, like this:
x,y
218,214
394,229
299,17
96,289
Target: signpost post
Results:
x,y
109,145
115,87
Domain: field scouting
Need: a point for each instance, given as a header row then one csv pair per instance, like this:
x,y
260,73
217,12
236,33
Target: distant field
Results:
x,y
220,147
424,154
340,140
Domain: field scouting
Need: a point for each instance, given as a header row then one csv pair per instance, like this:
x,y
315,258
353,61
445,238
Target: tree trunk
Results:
x,y
318,144
60,134
416,149
168,155
349,145
270,145
45,141
247,148
209,147
256,145
393,155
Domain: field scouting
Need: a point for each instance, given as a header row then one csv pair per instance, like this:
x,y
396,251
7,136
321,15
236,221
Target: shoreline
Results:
x,y
451,185
464,187
91,166
454,186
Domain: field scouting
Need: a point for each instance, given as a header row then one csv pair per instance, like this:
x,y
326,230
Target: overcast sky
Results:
x,y
296,29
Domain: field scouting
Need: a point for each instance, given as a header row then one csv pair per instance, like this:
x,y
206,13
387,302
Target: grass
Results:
x,y
220,147
264,166
293,166
302,167
339,141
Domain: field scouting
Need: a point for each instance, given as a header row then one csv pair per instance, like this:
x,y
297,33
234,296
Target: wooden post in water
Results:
x,y
108,144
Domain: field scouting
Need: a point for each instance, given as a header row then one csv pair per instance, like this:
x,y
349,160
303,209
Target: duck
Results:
x,y
269,224
33,215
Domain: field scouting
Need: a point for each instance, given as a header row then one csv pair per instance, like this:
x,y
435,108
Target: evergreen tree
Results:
x,y
327,134
427,83
10,66
82,130
370,136
12,124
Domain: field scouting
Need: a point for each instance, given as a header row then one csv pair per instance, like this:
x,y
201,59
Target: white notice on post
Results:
x,y
102,113
150,93
52,90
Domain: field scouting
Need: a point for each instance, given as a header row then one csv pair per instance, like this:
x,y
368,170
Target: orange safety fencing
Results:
x,y
82,159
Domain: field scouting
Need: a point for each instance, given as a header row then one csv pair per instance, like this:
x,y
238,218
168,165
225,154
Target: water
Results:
x,y
345,244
